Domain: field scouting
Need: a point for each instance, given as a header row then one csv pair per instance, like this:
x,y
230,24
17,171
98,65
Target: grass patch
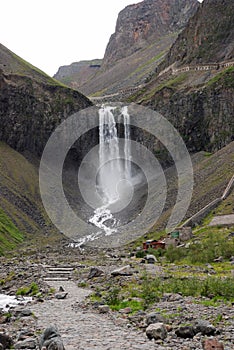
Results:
x,y
209,244
172,83
10,236
226,76
133,304
31,290
150,290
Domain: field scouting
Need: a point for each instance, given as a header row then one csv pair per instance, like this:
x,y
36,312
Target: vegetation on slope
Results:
x,y
20,200
10,236
13,64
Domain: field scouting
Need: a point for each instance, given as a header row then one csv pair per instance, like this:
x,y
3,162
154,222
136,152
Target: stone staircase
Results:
x,y
58,273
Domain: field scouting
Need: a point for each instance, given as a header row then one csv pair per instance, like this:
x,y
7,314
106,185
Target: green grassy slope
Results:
x,y
21,210
13,64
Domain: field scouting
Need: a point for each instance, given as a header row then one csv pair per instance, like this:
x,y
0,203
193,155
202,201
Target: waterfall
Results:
x,y
109,156
127,145
114,166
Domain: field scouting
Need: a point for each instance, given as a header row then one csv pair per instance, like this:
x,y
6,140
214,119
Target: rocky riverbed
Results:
x,y
173,321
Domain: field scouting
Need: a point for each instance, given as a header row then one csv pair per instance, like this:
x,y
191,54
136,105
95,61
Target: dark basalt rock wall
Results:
x,y
30,110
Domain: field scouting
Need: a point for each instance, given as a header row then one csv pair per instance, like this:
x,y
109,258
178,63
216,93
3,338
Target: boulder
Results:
x,y
51,339
156,331
61,295
25,313
204,327
154,317
5,341
185,332
122,271
95,272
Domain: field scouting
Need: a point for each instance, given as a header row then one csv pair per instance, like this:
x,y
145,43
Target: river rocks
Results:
x,y
185,332
212,344
51,339
156,331
5,341
95,272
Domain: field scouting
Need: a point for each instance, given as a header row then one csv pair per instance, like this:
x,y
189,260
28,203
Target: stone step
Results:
x,y
56,279
60,269
58,272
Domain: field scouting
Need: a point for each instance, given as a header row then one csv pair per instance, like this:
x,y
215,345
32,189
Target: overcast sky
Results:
x,y
52,33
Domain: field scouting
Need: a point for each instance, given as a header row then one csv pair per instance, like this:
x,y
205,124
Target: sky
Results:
x,y
53,33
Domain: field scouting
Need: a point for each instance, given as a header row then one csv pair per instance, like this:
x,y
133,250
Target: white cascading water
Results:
x,y
112,168
127,144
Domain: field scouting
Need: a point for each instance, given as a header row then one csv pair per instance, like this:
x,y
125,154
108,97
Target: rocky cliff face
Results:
x,y
144,23
32,104
144,33
199,103
208,37
204,117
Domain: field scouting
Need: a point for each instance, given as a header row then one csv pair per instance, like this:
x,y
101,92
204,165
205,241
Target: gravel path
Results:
x,y
82,330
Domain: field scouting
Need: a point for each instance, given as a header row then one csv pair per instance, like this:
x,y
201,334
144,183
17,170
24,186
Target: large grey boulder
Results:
x,y
204,327
156,331
51,339
185,332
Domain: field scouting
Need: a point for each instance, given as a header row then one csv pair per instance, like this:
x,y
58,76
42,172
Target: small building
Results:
x,y
154,244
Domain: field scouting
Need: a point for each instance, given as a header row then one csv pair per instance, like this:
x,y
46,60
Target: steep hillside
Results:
x,y
144,33
197,97
32,103
22,215
212,172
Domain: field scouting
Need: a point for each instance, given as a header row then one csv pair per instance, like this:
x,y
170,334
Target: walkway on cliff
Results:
x,y
171,70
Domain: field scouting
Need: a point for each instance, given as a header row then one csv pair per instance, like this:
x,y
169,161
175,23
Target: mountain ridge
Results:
x,y
144,33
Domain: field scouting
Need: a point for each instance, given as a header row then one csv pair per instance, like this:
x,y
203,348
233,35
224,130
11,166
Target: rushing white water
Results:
x,y
127,144
8,301
113,170
109,157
